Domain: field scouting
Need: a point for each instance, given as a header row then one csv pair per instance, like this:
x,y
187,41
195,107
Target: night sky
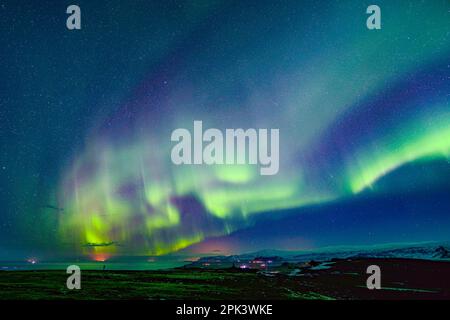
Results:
x,y
86,118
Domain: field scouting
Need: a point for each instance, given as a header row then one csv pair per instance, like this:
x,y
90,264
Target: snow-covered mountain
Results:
x,y
427,251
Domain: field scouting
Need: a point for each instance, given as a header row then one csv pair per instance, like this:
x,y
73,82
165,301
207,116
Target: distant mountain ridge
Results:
x,y
425,251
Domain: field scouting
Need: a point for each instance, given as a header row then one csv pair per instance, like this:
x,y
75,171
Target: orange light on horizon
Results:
x,y
100,257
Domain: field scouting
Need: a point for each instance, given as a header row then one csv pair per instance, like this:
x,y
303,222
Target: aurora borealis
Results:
x,y
87,116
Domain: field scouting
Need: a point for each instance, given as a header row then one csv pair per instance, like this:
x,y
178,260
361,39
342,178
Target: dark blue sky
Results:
x,y
363,115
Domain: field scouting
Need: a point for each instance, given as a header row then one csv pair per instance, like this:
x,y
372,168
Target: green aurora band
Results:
x,y
123,187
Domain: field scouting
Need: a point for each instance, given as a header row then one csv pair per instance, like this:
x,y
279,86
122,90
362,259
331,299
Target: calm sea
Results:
x,y
156,265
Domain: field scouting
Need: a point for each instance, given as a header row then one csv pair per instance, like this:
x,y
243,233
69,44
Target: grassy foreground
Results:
x,y
345,279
